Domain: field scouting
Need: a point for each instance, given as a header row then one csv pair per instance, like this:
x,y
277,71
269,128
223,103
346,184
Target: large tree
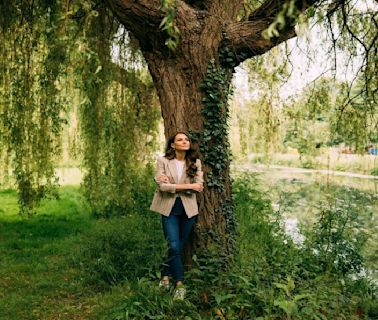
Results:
x,y
220,34
210,32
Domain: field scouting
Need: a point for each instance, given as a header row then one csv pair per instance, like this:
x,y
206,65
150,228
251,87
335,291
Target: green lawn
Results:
x,y
41,265
38,280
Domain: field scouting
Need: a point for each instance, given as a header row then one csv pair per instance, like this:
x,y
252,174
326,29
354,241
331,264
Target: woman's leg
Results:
x,y
171,229
176,231
186,225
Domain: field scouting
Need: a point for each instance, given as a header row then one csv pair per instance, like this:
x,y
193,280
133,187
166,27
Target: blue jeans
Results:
x,y
176,228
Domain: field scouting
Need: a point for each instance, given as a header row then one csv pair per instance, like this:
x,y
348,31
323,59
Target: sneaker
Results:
x,y
164,285
179,293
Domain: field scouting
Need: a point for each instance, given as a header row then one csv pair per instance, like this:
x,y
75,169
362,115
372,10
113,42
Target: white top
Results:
x,y
179,167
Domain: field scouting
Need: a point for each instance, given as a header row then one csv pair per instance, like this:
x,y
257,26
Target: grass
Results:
x,y
38,280
45,267
64,264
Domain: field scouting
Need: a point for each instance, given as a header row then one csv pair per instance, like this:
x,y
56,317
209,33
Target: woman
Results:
x,y
179,178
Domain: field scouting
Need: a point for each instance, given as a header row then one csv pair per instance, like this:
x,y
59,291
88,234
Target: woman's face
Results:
x,y
181,142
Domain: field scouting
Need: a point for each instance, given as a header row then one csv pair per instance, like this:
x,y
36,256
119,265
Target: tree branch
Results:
x,y
208,4
143,18
141,14
246,40
227,10
269,9
197,4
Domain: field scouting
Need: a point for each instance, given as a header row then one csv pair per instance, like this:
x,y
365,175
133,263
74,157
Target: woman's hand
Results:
x,y
197,187
162,179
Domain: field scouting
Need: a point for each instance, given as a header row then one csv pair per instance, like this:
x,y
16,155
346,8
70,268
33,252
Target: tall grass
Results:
x,y
121,249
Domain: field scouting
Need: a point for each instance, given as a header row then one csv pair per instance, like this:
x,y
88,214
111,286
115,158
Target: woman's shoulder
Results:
x,y
162,159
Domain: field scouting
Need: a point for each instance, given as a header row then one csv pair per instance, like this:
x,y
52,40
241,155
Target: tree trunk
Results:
x,y
177,81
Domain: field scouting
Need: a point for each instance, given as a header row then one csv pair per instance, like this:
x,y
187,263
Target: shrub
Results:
x,y
337,238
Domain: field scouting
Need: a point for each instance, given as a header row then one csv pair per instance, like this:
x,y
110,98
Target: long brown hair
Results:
x,y
190,156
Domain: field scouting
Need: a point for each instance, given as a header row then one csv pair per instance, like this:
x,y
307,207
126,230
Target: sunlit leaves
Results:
x,y
118,115
31,108
56,65
356,118
260,119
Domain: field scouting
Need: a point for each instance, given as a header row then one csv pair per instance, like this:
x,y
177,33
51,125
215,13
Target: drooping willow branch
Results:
x,y
51,58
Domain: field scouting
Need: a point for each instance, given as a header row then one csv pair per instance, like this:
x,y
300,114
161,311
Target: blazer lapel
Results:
x,y
173,170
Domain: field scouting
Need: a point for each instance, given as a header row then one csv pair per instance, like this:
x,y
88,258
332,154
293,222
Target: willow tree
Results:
x,y
191,48
55,60
209,39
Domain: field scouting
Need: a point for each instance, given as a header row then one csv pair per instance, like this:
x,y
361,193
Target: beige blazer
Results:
x,y
165,195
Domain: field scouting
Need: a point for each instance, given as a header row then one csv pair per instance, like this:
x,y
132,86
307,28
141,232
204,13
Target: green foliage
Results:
x,y
146,301
248,7
228,58
140,193
374,172
214,143
287,16
265,246
271,278
353,30
355,120
63,69
63,259
260,119
308,120
168,24
347,213
324,115
338,237
32,59
118,119
333,113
